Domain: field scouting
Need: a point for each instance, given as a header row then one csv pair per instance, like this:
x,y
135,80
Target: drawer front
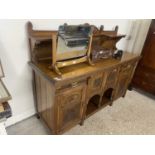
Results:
x,y
69,85
70,107
95,82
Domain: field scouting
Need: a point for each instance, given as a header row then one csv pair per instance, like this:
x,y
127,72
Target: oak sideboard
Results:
x,y
67,100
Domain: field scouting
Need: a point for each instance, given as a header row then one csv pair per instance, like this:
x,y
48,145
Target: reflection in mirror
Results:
x,y
72,41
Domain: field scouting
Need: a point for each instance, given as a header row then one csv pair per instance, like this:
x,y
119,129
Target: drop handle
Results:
x,y
74,84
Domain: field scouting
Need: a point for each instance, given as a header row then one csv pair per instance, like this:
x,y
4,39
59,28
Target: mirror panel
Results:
x,y
72,41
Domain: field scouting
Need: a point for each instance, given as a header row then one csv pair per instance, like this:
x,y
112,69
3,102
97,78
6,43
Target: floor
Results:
x,y
134,114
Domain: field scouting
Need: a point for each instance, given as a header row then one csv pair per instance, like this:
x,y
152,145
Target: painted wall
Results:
x,y
14,55
138,31
141,35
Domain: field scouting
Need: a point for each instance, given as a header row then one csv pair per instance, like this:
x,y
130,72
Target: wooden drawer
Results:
x,y
69,85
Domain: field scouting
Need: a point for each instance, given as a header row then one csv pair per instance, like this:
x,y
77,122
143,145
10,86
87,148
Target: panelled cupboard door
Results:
x,y
70,107
124,79
121,86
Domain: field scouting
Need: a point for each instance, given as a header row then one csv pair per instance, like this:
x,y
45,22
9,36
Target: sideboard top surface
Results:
x,y
79,70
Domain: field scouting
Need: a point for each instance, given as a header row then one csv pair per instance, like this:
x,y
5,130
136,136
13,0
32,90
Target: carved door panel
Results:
x,y
124,79
111,78
121,86
95,83
70,106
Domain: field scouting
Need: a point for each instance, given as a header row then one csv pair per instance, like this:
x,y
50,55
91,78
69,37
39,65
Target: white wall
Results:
x,y
141,36
14,55
138,31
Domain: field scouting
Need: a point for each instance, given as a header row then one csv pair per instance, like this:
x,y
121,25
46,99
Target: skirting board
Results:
x,y
15,119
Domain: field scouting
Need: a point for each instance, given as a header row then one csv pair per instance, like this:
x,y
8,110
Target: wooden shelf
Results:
x,y
105,101
91,108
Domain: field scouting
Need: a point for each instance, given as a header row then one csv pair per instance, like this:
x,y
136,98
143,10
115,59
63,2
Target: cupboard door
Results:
x,y
124,79
121,86
70,107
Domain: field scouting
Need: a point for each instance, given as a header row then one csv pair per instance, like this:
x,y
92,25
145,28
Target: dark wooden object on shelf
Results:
x,y
104,43
144,77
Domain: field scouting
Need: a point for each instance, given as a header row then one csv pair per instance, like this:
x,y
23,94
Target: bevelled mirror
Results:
x,y
72,41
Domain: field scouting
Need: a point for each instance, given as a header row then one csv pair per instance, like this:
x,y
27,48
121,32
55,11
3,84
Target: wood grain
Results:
x,y
145,73
82,90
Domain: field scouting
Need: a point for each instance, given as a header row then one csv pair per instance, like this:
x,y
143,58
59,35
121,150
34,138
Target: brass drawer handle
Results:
x,y
115,70
74,84
128,66
70,85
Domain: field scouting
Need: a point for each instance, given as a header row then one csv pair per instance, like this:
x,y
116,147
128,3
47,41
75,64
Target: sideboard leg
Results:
x,y
124,94
38,116
111,104
130,87
55,133
82,123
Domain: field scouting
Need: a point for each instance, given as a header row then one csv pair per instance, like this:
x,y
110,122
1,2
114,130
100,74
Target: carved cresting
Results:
x,y
97,82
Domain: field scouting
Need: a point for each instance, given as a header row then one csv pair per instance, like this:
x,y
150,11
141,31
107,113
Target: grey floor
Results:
x,y
134,114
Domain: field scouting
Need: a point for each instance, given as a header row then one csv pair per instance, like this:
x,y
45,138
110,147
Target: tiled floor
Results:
x,y
134,114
